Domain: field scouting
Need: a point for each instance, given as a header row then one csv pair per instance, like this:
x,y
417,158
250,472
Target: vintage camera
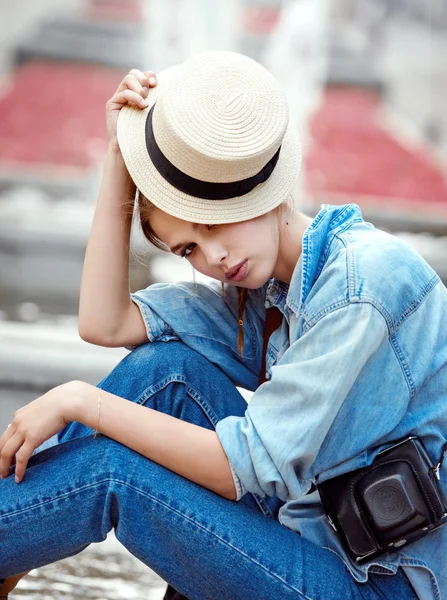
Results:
x,y
393,502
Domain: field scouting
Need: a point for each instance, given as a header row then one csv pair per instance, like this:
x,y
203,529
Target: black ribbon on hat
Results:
x,y
196,187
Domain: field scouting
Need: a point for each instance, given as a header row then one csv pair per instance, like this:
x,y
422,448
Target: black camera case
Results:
x,y
393,502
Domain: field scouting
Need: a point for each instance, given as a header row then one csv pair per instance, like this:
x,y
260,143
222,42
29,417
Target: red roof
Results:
x,y
53,118
355,157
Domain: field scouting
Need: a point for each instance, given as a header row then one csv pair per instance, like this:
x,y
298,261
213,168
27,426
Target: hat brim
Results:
x,y
263,198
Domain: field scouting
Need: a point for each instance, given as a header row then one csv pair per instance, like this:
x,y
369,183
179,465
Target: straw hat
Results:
x,y
214,144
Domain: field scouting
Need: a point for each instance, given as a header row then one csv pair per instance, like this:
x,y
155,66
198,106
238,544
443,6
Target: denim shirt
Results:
x,y
359,361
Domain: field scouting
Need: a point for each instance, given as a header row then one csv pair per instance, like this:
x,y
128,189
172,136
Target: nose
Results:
x,y
215,253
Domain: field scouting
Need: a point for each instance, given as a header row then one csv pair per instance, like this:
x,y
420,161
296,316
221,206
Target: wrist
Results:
x,y
79,401
114,149
115,161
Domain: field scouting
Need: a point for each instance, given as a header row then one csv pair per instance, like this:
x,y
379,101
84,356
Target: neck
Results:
x,y
292,225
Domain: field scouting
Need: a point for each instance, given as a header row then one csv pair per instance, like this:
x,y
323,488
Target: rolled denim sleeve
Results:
x,y
157,330
201,317
240,490
273,447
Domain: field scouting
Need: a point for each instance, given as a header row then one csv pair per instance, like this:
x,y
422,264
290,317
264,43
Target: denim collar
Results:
x,y
317,240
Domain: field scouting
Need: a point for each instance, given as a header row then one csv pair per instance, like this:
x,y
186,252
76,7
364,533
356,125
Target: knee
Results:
x,y
166,355
174,379
152,362
163,358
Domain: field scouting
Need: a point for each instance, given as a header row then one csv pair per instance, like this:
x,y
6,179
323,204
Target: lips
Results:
x,y
237,272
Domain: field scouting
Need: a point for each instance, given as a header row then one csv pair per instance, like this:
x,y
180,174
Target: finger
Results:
x,y
5,436
152,77
136,81
22,458
130,82
10,430
145,78
8,451
140,75
132,98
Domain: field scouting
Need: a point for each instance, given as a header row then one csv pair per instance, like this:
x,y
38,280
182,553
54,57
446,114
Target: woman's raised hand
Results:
x,y
133,89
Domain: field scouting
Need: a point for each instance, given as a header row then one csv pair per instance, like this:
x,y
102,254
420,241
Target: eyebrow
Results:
x,y
174,249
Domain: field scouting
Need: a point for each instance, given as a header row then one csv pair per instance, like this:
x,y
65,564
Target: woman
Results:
x,y
227,506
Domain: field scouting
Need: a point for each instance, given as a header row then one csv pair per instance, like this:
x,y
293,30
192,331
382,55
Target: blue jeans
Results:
x,y
205,546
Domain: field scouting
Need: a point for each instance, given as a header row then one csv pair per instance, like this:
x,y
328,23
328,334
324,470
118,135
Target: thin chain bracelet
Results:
x,y
99,410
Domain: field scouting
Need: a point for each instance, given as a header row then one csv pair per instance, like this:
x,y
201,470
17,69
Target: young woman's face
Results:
x,y
217,250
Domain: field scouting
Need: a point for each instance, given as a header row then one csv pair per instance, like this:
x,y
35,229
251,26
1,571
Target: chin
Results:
x,y
261,279
257,285
252,282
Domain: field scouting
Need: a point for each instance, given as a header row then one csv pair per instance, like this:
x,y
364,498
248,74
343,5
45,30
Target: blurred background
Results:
x,y
367,86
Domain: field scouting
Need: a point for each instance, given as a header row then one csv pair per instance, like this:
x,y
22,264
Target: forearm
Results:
x,y
105,290
187,449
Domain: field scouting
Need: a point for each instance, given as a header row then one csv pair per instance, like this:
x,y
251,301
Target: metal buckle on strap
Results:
x,y
439,465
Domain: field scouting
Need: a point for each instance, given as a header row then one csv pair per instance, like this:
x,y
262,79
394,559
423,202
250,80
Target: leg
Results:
x,y
175,380
71,498
131,376
205,407
141,373
205,546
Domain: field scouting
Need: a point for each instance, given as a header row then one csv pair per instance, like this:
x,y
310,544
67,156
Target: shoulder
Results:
x,y
365,264
385,270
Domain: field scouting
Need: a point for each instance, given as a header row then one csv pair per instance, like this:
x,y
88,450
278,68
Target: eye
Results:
x,y
187,250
